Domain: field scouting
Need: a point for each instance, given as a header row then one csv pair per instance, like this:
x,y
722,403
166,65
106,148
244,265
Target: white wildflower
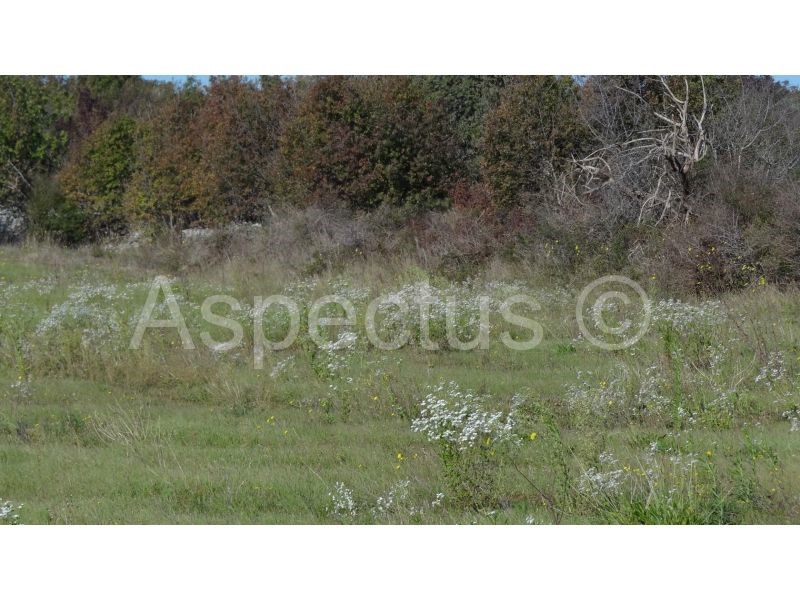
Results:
x,y
393,499
773,371
794,419
457,417
604,481
342,502
685,317
9,512
281,366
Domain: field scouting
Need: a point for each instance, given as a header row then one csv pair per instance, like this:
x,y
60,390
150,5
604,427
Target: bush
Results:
x,y
50,213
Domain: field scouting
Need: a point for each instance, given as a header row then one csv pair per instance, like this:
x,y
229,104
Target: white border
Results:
x,y
409,36
398,562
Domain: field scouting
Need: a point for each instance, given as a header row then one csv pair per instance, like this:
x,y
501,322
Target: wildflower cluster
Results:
x,y
685,317
15,298
21,388
604,480
457,417
793,416
773,371
472,440
342,502
650,396
9,512
394,498
593,395
394,502
281,366
93,309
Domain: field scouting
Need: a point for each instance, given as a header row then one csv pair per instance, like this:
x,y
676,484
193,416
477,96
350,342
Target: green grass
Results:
x,y
163,435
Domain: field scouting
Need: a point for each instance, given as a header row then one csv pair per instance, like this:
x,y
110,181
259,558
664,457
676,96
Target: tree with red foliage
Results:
x,y
370,141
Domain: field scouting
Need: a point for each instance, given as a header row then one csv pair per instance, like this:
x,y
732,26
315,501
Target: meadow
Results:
x,y
698,422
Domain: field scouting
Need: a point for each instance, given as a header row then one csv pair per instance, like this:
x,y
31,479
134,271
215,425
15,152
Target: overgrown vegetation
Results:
x,y
693,179
696,423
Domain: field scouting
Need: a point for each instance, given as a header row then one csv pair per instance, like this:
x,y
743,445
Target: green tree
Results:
x,y
371,141
95,180
534,130
33,113
173,184
241,123
466,100
95,98
50,214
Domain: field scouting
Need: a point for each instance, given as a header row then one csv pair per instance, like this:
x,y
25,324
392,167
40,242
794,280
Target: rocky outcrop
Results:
x,y
12,225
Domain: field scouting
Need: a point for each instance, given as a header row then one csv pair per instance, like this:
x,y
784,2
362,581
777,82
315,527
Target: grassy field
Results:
x,y
693,424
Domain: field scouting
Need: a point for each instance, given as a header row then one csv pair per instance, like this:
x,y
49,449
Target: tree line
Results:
x,y
85,157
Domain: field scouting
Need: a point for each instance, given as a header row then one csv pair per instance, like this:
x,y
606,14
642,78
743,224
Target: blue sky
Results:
x,y
177,78
793,80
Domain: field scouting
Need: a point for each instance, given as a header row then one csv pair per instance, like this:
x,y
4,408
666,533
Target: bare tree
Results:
x,y
650,154
757,130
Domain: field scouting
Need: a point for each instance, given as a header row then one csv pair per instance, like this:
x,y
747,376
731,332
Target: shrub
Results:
x,y
50,213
